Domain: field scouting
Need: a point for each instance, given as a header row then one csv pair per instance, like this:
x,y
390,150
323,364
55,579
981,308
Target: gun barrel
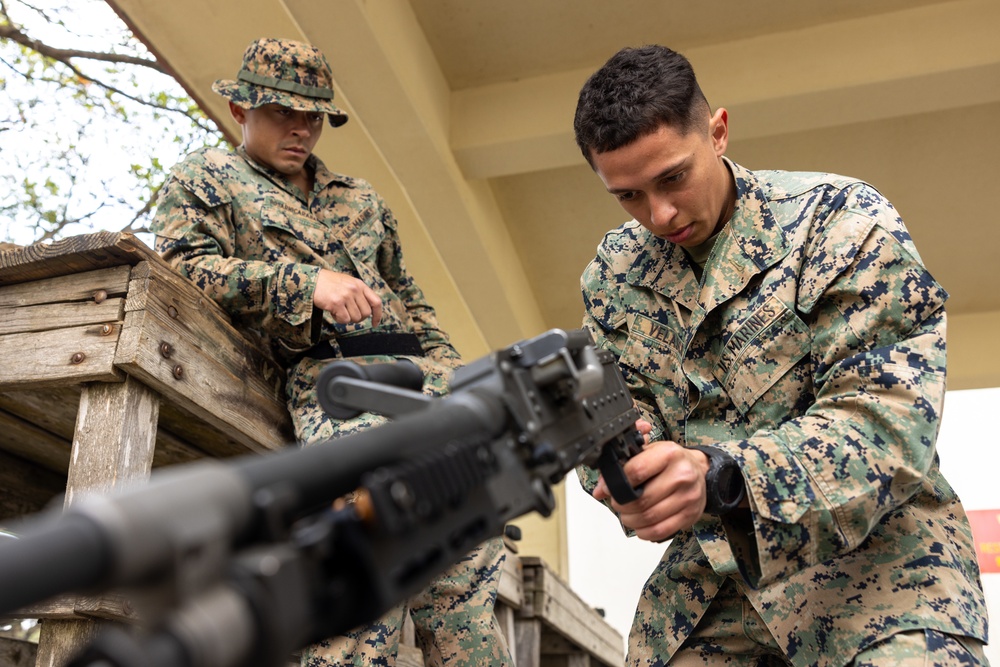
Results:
x,y
38,567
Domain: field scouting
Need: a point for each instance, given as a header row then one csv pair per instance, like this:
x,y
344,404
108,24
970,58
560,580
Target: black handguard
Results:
x,y
253,543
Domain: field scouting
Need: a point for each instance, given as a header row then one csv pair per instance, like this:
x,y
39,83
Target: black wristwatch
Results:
x,y
724,485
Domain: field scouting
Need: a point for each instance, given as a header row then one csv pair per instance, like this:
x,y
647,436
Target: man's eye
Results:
x,y
674,178
316,118
625,196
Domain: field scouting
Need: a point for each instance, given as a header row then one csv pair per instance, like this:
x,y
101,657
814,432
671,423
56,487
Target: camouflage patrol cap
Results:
x,y
279,71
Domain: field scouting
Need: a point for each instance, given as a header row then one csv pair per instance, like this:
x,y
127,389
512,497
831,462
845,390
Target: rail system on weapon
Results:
x,y
241,562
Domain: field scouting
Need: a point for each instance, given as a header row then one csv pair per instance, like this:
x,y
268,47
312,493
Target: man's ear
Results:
x,y
718,128
238,113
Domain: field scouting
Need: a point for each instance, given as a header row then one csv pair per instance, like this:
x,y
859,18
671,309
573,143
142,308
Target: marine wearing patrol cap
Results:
x,y
281,71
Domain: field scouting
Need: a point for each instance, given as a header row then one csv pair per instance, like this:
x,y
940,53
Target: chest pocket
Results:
x,y
761,352
284,221
654,351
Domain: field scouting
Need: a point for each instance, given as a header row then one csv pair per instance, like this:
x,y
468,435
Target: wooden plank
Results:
x,y
77,354
75,254
49,316
511,588
557,651
34,444
507,618
112,606
115,437
61,640
528,632
178,428
13,506
561,609
25,487
88,286
112,447
180,343
567,660
52,410
17,652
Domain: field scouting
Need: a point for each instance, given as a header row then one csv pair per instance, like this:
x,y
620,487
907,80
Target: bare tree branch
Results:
x,y
54,191
9,31
65,56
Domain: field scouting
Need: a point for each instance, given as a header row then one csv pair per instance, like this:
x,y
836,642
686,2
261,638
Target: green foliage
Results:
x,y
90,123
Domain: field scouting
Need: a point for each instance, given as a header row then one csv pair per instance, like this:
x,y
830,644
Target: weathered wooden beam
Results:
x,y
61,640
528,634
112,447
74,254
52,411
511,588
93,286
25,487
550,599
567,660
49,316
111,606
75,354
17,652
34,444
115,437
179,342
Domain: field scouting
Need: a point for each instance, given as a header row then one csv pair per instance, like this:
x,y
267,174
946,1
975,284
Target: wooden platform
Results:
x,y
112,364
545,623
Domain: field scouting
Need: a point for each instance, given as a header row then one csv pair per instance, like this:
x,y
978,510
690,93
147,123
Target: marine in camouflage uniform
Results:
x,y
785,320
244,229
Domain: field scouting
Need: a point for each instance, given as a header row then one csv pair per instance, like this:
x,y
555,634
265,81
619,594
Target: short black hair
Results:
x,y
634,93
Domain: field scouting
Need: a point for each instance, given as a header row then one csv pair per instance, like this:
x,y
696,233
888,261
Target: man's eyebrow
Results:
x,y
667,171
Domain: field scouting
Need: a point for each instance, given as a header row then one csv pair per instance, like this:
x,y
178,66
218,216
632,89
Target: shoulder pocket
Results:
x,y
206,187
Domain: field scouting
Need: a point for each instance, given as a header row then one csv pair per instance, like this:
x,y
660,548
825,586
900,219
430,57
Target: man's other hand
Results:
x,y
347,298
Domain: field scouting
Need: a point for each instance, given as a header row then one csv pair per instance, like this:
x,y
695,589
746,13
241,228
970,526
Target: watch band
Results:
x,y
724,486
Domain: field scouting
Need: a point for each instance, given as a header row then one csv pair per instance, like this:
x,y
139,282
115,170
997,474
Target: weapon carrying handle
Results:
x,y
402,375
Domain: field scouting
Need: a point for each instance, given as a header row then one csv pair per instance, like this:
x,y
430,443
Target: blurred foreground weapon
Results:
x,y
242,562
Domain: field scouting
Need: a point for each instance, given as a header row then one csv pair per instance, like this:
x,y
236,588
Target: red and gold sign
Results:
x,y
986,531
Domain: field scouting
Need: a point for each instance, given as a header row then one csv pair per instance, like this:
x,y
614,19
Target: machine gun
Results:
x,y
244,561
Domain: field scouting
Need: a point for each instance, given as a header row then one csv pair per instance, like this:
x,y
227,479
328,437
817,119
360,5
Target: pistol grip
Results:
x,y
614,476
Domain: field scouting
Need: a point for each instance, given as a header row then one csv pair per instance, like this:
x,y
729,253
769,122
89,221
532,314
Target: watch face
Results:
x,y
729,485
724,482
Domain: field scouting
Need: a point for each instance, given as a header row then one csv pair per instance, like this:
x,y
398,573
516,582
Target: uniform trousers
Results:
x,y
732,633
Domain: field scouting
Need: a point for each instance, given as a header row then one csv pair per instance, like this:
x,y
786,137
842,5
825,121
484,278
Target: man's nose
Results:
x,y
661,211
301,125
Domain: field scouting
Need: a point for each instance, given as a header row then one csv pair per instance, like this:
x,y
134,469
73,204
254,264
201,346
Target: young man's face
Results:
x,y
279,137
675,185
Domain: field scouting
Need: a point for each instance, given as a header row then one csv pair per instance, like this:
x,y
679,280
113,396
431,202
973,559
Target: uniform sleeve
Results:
x,y
605,319
820,483
196,235
421,316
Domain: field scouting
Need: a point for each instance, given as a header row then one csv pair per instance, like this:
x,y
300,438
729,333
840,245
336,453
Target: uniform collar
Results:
x,y
751,242
323,176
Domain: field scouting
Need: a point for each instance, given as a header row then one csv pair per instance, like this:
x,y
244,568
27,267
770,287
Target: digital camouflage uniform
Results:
x,y
248,237
812,351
